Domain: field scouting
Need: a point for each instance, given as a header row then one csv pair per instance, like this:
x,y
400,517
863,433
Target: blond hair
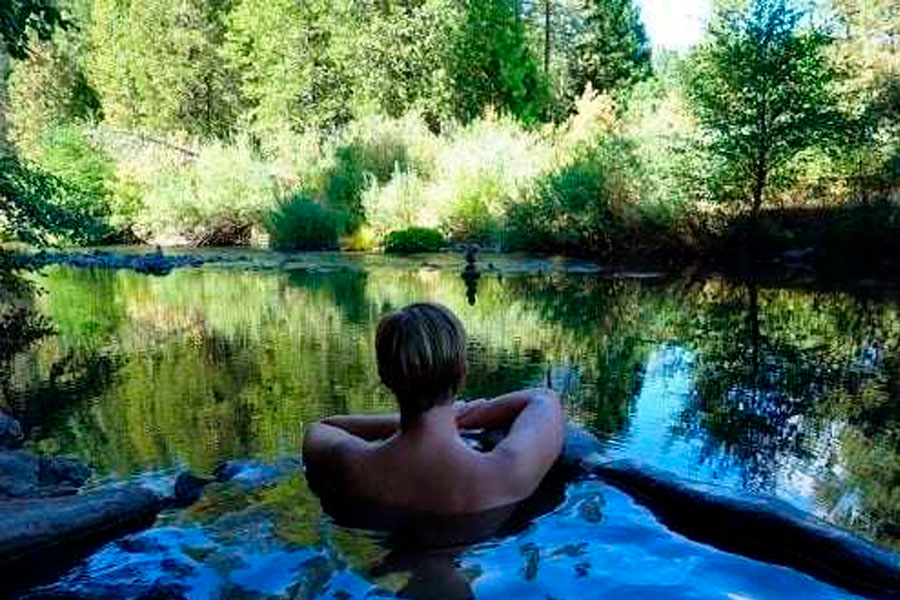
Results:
x,y
421,354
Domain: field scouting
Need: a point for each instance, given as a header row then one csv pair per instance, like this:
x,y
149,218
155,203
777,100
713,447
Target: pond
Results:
x,y
755,388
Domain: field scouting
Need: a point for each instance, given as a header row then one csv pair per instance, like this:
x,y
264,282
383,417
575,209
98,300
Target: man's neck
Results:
x,y
440,420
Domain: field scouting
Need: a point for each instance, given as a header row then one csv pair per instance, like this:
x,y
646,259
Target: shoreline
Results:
x,y
792,270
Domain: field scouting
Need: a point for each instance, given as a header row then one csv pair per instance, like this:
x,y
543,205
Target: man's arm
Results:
x,y
325,448
535,437
367,427
498,413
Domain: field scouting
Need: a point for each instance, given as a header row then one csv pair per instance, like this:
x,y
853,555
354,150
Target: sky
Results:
x,y
674,24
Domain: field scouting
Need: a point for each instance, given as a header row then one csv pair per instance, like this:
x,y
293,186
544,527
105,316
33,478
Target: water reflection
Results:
x,y
764,389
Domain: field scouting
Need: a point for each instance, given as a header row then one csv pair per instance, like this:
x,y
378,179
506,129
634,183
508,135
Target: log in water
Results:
x,y
763,528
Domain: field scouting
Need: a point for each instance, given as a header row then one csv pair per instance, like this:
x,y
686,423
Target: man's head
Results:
x,y
421,356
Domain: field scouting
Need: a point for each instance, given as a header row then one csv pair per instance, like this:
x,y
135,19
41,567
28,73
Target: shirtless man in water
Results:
x,y
416,459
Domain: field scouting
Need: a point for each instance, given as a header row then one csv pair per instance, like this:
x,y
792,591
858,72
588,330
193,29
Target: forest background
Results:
x,y
548,126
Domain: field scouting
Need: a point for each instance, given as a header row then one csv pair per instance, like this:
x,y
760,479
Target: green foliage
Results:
x,y
493,66
581,207
19,17
49,89
400,61
762,90
157,66
413,240
399,203
612,50
69,154
479,172
300,223
368,154
291,57
38,207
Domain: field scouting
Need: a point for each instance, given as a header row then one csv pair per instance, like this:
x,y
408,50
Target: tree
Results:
x,y
157,66
762,91
492,64
18,17
399,60
291,59
868,52
34,204
49,87
612,48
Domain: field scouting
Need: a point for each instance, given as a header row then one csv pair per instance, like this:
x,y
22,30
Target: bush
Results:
x,y
370,152
39,207
412,240
582,206
87,171
397,204
485,167
299,223
218,199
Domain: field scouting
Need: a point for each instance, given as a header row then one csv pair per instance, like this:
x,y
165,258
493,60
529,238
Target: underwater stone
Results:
x,y
11,435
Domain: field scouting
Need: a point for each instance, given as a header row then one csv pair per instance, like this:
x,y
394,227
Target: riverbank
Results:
x,y
799,268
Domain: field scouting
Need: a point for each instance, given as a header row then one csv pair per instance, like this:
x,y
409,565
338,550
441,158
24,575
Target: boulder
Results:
x,y
43,533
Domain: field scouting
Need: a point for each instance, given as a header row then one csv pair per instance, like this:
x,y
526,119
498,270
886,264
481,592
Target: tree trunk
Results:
x,y
4,100
547,7
759,186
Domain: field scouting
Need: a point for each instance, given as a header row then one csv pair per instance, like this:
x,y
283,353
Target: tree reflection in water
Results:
x,y
785,378
205,365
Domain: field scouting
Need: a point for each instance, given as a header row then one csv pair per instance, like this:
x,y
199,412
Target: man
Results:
x,y
416,459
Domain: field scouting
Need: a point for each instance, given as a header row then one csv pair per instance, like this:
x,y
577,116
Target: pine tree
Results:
x,y
612,48
494,66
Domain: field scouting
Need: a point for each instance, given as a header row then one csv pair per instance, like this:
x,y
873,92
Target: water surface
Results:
x,y
751,387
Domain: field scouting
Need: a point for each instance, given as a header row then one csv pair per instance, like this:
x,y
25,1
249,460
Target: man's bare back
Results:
x,y
429,466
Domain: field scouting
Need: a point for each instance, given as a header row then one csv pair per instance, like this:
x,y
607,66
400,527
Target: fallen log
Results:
x,y
49,526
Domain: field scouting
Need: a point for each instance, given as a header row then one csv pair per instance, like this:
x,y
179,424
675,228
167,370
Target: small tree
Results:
x,y
762,90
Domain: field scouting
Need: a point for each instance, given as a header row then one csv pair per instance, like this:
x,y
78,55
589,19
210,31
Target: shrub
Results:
x,y
485,167
397,204
87,171
476,215
218,199
300,223
581,206
412,240
39,207
369,152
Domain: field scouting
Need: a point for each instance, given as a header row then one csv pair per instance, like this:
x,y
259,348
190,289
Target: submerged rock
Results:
x,y
11,434
24,475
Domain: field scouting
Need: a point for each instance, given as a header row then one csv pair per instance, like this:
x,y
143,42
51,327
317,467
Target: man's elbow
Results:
x,y
552,404
550,400
315,440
